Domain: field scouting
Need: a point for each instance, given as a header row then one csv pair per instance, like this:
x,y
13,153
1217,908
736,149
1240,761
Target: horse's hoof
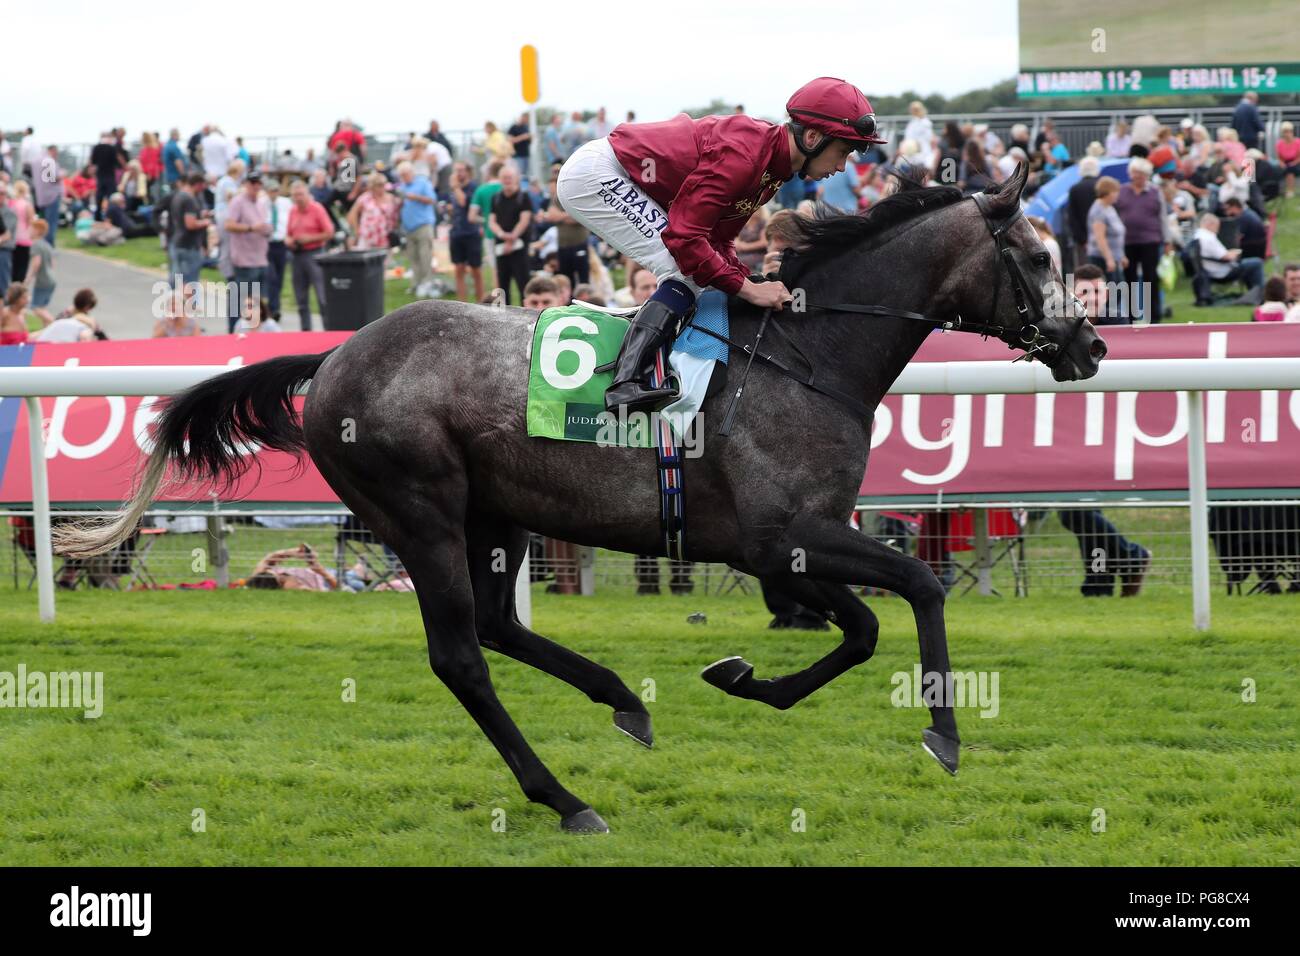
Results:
x,y
727,673
943,749
584,821
635,725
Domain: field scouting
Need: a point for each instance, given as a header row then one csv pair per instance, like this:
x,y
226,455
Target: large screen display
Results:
x,y
1158,47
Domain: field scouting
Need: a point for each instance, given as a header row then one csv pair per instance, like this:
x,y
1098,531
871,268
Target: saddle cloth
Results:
x,y
566,396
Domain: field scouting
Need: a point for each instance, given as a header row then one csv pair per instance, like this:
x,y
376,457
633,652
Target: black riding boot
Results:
x,y
636,362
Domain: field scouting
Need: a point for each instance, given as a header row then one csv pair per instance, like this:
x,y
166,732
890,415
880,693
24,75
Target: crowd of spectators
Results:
x,y
259,219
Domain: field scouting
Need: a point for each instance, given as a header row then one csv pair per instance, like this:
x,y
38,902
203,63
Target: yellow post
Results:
x,y
532,92
528,70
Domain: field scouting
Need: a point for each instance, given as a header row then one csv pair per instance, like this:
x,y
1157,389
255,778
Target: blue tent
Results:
x,y
1050,201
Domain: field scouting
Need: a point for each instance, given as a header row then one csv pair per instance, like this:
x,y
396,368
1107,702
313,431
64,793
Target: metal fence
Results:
x,y
1008,549
1077,129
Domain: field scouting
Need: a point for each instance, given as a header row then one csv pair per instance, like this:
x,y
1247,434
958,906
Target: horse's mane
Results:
x,y
829,233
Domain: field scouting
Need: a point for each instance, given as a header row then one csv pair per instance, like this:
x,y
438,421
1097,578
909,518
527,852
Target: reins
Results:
x,y
1027,335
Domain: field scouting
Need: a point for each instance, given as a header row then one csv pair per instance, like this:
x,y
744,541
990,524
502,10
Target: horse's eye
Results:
x,y
1042,260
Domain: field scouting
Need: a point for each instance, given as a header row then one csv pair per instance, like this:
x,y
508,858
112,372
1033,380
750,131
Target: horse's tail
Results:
x,y
199,433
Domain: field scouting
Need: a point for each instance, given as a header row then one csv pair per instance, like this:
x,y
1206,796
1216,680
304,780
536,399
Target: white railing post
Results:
x,y
983,552
41,510
1199,505
524,595
587,571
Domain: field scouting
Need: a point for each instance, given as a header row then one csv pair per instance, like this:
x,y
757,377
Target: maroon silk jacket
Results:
x,y
709,175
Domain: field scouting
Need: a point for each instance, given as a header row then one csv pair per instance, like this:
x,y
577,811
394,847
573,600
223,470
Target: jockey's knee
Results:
x,y
678,295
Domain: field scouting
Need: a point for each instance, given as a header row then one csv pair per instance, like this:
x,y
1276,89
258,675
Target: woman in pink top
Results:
x,y
13,315
374,215
21,204
1288,154
1231,147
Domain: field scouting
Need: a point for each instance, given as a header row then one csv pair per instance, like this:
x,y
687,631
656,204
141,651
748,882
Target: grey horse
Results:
x,y
417,422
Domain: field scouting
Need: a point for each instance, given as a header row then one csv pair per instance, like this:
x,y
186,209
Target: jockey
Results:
x,y
711,174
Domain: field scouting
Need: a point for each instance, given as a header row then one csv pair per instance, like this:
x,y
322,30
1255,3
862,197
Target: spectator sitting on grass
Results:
x,y
80,190
80,326
1291,276
253,321
1274,307
177,321
1252,234
92,232
270,575
1222,264
121,217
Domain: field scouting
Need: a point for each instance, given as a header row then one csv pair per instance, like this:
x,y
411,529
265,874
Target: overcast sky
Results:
x,y
278,67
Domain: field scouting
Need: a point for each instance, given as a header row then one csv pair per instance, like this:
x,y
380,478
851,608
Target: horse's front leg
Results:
x,y
735,675
834,552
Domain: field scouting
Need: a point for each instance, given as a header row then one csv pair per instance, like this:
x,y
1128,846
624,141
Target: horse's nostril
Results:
x,y
1098,349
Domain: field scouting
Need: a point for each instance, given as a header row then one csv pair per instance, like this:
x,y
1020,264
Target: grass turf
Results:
x,y
232,703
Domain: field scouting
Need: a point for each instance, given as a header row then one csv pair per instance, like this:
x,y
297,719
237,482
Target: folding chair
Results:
x,y
1005,541
727,580
136,555
355,542
23,541
1202,282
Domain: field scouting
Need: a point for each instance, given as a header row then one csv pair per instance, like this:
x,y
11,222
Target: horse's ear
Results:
x,y
1007,199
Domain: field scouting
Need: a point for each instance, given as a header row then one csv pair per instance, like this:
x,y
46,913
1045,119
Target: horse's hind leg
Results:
x,y
435,557
496,551
735,675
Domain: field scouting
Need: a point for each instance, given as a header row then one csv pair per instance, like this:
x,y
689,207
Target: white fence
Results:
x,y
1193,376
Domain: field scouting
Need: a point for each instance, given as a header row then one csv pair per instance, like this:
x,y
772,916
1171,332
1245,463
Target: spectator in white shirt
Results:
x,y
600,127
1007,164
1118,142
1236,185
992,142
29,155
277,254
1223,264
921,131
217,153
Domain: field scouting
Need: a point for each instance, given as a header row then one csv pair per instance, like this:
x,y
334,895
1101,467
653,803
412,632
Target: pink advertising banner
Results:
x,y
1119,442
921,445
94,445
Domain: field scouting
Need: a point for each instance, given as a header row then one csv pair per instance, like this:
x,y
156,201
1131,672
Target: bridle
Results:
x,y
1027,334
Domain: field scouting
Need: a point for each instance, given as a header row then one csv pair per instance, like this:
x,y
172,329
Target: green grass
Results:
x,y
1051,553
231,702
